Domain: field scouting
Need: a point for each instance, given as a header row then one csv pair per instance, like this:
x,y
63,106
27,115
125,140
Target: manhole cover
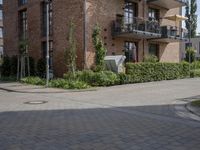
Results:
x,y
35,102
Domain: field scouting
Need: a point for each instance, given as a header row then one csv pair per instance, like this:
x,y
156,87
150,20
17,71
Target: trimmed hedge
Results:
x,y
147,72
195,73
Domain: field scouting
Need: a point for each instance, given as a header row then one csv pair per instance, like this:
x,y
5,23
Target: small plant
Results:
x,y
33,80
70,51
76,84
151,59
100,49
190,54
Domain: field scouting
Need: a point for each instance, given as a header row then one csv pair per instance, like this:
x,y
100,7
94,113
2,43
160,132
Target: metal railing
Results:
x,y
173,32
126,25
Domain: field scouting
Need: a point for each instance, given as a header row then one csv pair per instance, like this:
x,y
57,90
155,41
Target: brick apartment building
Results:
x,y
134,28
1,28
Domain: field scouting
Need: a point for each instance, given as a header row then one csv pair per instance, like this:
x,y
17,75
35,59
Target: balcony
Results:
x,y
168,4
172,34
137,29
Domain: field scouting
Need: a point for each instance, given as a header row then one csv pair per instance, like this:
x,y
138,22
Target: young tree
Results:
x,y
191,23
70,51
99,47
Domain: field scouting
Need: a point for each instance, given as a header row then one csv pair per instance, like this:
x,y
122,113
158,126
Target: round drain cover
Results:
x,y
35,102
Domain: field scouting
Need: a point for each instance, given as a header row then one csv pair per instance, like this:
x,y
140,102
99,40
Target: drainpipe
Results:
x,y
85,34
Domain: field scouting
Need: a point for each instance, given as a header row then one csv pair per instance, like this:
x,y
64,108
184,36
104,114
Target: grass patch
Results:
x,y
196,103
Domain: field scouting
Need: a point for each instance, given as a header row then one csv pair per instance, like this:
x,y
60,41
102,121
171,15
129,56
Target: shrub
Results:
x,y
195,73
76,84
41,67
68,84
151,59
33,80
190,54
6,67
195,65
59,83
10,78
146,72
124,78
103,78
99,47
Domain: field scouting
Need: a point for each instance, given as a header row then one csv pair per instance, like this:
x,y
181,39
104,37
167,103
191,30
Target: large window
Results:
x,y
130,49
153,14
154,49
44,52
23,24
130,12
44,19
22,2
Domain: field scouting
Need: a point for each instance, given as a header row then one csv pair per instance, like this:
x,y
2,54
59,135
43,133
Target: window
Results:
x,y
1,2
1,14
130,49
188,45
154,49
44,52
130,12
44,19
1,32
23,26
153,14
22,2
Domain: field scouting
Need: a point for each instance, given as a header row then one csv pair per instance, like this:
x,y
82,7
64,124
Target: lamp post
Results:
x,y
47,40
190,45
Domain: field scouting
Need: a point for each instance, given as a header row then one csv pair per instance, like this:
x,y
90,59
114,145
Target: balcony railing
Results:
x,y
174,33
168,4
137,27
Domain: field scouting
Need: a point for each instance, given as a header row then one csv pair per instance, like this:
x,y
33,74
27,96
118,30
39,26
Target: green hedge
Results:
x,y
102,78
56,83
195,73
147,72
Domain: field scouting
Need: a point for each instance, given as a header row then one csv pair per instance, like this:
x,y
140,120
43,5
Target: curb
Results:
x,y
67,91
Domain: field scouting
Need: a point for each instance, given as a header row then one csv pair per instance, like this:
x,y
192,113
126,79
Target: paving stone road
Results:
x,y
149,116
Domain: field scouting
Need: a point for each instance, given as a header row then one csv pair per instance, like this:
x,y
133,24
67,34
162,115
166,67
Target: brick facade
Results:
x,y
98,11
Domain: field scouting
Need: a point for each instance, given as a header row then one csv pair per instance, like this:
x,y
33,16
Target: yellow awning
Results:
x,y
176,18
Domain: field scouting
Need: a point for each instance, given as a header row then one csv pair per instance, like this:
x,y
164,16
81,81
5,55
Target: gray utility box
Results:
x,y
115,63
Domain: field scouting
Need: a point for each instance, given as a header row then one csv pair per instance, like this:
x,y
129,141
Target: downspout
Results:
x,y
85,35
